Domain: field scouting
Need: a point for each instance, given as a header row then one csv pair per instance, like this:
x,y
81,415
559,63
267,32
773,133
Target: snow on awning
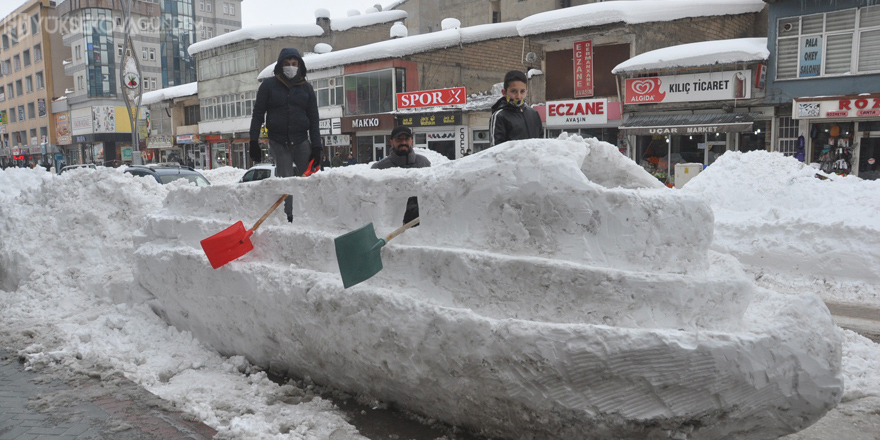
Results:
x,y
688,124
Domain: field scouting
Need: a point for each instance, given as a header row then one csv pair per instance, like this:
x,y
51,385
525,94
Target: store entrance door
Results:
x,y
446,148
869,156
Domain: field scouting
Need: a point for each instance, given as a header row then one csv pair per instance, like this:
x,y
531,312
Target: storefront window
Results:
x,y
652,153
755,140
832,146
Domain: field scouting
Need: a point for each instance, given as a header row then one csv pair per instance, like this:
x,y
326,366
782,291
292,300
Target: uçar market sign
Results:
x,y
577,112
431,98
861,106
713,86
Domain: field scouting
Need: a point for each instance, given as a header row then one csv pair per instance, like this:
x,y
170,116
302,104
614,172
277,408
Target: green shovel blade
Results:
x,y
359,255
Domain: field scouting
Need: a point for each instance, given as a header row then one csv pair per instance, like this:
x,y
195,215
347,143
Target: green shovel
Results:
x,y
357,252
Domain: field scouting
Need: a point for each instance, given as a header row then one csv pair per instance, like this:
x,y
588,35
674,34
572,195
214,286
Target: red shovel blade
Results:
x,y
228,244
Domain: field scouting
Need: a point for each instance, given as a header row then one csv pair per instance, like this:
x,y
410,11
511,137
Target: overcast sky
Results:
x,y
260,12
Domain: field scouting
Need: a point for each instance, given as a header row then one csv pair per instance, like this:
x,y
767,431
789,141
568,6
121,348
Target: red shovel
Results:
x,y
234,241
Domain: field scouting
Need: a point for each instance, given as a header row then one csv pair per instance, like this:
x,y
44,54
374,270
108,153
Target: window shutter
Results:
x,y
869,51
786,58
838,54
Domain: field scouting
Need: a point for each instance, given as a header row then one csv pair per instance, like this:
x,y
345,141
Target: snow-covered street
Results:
x,y
79,280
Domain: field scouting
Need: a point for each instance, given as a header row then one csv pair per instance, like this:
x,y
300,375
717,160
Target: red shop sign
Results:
x,y
431,98
583,69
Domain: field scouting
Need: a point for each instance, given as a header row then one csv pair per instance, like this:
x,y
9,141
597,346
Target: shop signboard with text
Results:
x,y
577,112
381,121
62,129
583,69
712,86
431,98
431,119
862,106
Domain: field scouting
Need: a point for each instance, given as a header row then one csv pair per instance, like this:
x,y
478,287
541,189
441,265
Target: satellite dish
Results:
x,y
531,57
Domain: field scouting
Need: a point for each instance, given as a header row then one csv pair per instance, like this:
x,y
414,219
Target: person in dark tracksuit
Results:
x,y
290,108
512,119
403,156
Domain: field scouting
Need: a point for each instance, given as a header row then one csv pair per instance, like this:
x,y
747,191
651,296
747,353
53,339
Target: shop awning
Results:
x,y
688,124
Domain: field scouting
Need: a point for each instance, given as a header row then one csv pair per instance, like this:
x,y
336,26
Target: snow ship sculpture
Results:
x,y
553,291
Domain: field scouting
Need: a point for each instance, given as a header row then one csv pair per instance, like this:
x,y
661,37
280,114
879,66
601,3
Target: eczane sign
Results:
x,y
431,98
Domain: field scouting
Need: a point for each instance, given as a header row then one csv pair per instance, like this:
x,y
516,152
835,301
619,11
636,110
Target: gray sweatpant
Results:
x,y
290,161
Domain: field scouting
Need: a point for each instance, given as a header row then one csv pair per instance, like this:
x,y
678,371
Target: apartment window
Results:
x,y
226,8
210,32
5,39
41,83
202,5
329,91
21,113
10,90
33,135
38,53
12,114
209,5
143,53
32,113
28,84
13,35
119,51
77,52
153,83
2,94
35,24
829,44
370,92
80,82
19,88
26,57
6,67
232,9
16,62
191,115
44,133
152,54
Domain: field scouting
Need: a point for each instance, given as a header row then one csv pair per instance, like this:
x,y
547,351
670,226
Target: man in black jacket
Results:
x,y
403,156
512,119
290,108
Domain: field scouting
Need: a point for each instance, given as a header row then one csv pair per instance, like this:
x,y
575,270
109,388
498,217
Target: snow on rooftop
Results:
x,y
404,46
257,33
632,11
170,93
368,19
704,53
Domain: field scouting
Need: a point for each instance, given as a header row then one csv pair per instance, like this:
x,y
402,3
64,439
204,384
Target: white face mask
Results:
x,y
289,71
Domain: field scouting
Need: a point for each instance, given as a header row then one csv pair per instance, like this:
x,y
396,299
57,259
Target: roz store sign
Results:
x,y
431,98
850,107
577,113
715,86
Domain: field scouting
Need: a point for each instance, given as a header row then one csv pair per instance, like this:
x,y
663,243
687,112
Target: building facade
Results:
x,y
824,82
29,55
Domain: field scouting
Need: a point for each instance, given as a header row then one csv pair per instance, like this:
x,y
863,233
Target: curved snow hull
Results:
x,y
497,336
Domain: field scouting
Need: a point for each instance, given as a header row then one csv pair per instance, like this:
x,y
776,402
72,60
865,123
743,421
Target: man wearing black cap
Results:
x,y
403,156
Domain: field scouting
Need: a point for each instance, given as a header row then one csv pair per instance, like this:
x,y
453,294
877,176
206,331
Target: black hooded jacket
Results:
x,y
289,106
512,123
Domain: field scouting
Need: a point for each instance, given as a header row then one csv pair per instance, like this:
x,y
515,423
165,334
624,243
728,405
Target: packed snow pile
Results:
x,y
774,197
552,289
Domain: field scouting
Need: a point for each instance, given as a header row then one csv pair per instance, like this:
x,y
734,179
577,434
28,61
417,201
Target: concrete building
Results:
x,y
31,77
823,78
230,63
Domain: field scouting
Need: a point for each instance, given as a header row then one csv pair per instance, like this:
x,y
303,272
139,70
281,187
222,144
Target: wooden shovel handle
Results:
x,y
266,215
400,230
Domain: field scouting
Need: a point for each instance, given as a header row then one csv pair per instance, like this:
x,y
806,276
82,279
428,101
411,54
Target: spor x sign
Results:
x,y
431,98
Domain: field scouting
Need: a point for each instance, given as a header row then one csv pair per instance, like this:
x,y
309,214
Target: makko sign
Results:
x,y
714,86
431,98
578,112
861,106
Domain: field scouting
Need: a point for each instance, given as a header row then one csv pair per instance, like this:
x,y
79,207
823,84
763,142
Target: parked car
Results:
x,y
168,172
70,167
258,172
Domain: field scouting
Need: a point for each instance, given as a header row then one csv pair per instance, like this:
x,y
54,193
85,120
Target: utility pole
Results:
x,y
130,80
